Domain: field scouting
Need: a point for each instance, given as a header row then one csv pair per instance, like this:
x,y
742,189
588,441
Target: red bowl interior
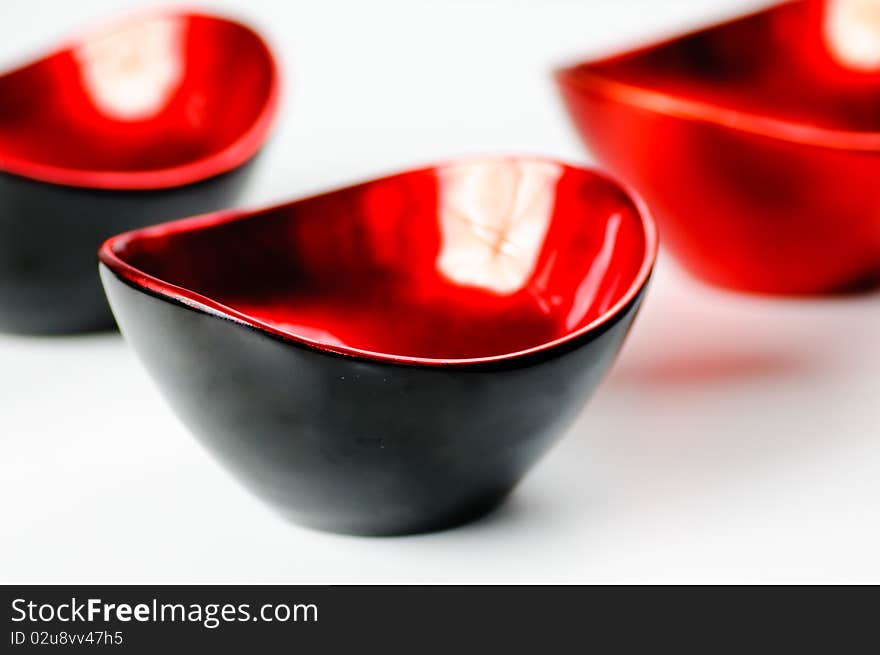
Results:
x,y
774,72
467,261
156,101
755,144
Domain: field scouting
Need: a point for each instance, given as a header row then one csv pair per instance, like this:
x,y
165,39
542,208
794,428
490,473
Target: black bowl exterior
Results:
x,y
49,234
354,445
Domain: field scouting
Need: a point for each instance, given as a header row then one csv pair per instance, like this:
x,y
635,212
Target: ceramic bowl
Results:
x,y
756,143
391,357
151,119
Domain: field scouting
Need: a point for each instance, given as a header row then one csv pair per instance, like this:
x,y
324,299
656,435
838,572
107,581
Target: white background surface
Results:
x,y
737,439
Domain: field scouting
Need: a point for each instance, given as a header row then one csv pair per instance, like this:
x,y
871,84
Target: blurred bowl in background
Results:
x,y
390,357
152,119
756,143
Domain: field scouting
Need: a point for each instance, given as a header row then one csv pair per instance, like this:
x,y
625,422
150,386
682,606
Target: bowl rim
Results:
x,y
235,154
582,76
180,295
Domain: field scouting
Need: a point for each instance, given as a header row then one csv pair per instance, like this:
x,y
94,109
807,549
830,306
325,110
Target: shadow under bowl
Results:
x,y
755,143
391,357
149,120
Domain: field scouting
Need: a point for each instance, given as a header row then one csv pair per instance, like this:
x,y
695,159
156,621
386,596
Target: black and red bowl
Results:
x,y
390,357
149,120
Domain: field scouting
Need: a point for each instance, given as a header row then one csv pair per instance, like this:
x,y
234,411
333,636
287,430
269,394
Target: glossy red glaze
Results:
x,y
756,147
158,101
462,262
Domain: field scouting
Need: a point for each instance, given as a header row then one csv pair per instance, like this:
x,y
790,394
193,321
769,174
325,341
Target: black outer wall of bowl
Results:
x,y
358,446
49,235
